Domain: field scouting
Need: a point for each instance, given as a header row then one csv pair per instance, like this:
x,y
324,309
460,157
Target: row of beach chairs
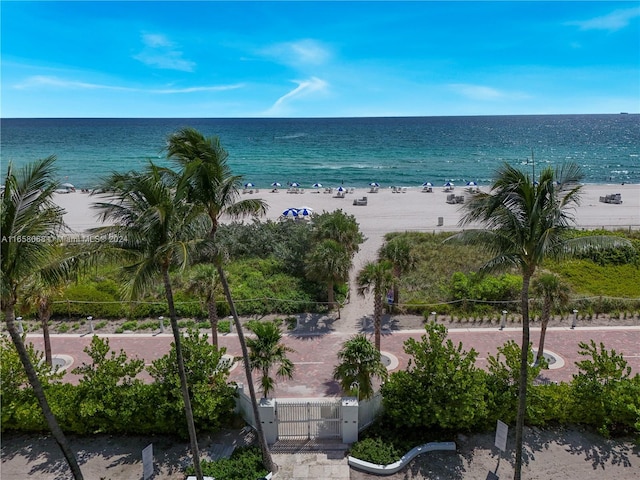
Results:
x,y
360,201
250,190
453,198
614,198
398,189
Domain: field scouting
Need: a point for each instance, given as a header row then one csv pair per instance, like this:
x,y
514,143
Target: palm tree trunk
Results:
x,y
213,320
546,315
264,448
377,320
183,376
330,296
57,432
44,313
524,373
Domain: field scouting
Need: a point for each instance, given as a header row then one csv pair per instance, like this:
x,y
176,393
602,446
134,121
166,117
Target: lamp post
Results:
x,y
161,318
90,318
575,319
20,329
503,322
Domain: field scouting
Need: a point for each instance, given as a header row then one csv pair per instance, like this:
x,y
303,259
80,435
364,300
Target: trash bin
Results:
x,y
440,221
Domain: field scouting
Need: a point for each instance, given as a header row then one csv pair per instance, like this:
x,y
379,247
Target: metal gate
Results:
x,y
307,420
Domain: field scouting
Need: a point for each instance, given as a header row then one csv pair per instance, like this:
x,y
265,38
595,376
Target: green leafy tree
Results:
x,y
28,221
207,372
329,263
607,395
503,380
266,352
554,293
208,182
376,278
441,387
107,387
360,363
525,222
399,252
154,229
203,281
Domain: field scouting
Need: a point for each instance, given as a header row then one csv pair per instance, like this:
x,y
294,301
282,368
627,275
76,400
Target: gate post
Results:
x,y
267,412
349,420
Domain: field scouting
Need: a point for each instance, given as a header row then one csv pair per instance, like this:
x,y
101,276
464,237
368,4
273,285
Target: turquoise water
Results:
x,y
333,151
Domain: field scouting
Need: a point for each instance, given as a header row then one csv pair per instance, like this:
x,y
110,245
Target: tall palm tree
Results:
x,y
340,227
329,263
398,251
376,278
208,182
524,222
204,283
360,363
154,229
28,221
266,351
554,292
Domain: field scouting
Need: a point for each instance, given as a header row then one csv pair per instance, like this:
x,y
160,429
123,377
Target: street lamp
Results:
x,y
20,329
503,322
575,319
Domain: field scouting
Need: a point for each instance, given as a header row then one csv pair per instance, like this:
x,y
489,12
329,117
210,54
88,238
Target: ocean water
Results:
x,y
334,151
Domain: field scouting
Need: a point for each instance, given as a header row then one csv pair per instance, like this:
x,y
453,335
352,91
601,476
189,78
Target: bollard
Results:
x,y
161,318
20,328
503,322
90,318
575,319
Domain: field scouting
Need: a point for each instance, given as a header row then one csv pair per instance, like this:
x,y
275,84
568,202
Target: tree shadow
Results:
x,y
332,388
313,324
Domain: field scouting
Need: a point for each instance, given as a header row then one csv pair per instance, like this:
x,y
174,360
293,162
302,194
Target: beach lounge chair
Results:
x,y
360,201
451,198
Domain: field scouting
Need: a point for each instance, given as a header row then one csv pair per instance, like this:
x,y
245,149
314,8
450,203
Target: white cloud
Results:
x,y
298,53
616,20
484,93
304,89
160,52
39,81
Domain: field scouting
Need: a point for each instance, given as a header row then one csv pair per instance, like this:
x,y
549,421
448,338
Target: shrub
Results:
x,y
224,326
376,450
245,463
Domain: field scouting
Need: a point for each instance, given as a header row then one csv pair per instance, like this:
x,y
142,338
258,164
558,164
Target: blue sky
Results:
x,y
318,59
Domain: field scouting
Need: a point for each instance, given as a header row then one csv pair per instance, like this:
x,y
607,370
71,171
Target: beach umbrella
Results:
x,y
471,184
290,213
276,184
374,184
448,184
67,185
340,189
248,185
305,211
427,184
317,185
295,184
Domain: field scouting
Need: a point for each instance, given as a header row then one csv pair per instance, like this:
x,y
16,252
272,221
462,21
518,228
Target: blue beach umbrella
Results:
x,y
471,184
374,184
427,184
276,184
317,185
295,184
340,189
305,211
248,185
449,184
290,213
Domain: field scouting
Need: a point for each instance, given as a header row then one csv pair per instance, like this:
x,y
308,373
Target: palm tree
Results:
x,y
209,183
28,221
525,223
340,227
359,363
155,230
329,263
376,278
553,291
398,251
266,351
204,283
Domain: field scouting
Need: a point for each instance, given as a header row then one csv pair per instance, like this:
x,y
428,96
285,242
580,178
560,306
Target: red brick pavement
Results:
x,y
315,355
